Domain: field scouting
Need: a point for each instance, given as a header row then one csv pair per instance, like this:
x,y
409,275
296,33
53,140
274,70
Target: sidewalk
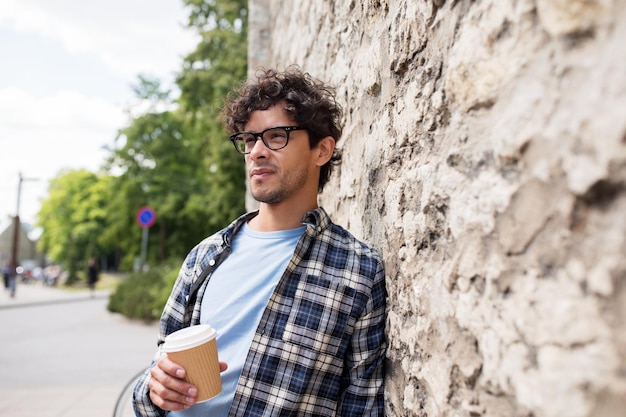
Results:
x,y
65,354
37,293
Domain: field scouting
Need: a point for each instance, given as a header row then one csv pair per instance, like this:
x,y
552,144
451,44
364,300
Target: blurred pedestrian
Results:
x,y
12,280
5,274
92,276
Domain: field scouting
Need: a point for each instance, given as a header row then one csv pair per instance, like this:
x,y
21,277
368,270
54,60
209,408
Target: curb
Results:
x,y
20,304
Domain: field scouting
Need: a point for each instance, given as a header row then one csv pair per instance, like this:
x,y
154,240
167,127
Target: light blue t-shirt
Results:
x,y
234,300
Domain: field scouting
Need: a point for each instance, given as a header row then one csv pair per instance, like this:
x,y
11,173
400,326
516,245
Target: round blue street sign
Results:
x,y
146,216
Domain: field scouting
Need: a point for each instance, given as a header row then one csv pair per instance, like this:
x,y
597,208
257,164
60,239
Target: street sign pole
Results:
x,y
144,246
145,218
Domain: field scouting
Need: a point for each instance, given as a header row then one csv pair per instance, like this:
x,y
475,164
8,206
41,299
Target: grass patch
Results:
x,y
107,281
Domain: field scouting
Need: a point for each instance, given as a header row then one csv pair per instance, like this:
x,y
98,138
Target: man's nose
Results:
x,y
259,149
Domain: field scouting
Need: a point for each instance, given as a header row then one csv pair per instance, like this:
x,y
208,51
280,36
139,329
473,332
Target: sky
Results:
x,y
67,68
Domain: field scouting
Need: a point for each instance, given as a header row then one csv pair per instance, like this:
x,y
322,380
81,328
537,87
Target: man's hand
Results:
x,y
168,389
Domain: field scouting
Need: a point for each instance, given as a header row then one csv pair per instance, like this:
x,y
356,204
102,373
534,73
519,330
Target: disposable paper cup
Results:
x,y
195,349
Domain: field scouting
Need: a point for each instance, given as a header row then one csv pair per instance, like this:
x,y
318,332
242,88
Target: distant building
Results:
x,y
27,254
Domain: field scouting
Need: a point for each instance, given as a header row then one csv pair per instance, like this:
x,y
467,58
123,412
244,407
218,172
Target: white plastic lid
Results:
x,y
188,338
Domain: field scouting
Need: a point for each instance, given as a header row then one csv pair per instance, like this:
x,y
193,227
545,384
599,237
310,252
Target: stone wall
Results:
x,y
485,156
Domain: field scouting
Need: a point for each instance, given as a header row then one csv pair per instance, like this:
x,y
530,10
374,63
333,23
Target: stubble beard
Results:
x,y
286,187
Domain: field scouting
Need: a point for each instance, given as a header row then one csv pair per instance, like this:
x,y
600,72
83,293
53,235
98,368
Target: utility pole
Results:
x,y
16,228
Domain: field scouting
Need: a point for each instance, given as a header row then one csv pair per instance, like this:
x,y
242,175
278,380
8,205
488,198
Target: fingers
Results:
x,y
171,368
223,366
168,389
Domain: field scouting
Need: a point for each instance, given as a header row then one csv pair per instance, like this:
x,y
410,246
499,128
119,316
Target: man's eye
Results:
x,y
274,135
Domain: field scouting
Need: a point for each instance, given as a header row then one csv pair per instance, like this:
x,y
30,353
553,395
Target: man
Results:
x,y
297,301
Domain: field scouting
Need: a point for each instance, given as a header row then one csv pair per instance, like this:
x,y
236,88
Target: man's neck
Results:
x,y
273,217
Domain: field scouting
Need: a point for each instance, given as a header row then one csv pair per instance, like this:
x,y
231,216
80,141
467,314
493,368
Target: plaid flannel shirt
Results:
x,y
320,345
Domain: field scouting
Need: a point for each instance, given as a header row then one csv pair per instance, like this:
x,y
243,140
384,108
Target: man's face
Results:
x,y
284,175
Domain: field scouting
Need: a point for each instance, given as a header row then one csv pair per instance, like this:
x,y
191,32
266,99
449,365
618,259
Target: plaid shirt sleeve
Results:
x,y
174,317
171,319
364,392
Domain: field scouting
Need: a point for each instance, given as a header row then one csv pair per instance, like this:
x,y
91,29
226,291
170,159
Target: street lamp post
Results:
x,y
16,232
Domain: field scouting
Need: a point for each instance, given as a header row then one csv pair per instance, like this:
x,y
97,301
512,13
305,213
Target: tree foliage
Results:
x,y
73,217
175,156
209,73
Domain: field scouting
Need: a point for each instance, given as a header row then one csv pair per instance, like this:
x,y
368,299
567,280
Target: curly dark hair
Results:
x,y
310,103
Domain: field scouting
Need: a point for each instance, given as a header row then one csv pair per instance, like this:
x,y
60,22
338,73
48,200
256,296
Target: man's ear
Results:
x,y
325,148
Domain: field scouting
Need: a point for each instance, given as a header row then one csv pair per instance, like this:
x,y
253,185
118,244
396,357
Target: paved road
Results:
x,y
65,355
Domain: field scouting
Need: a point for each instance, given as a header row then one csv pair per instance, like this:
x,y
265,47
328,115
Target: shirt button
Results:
x,y
212,262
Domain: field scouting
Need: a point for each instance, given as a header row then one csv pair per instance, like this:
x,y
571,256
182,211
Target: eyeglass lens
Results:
x,y
274,138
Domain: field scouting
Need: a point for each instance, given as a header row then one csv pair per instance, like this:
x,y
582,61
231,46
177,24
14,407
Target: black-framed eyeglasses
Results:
x,y
274,138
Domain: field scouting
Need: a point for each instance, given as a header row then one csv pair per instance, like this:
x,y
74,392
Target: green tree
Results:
x,y
174,157
73,217
180,161
159,165
209,73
